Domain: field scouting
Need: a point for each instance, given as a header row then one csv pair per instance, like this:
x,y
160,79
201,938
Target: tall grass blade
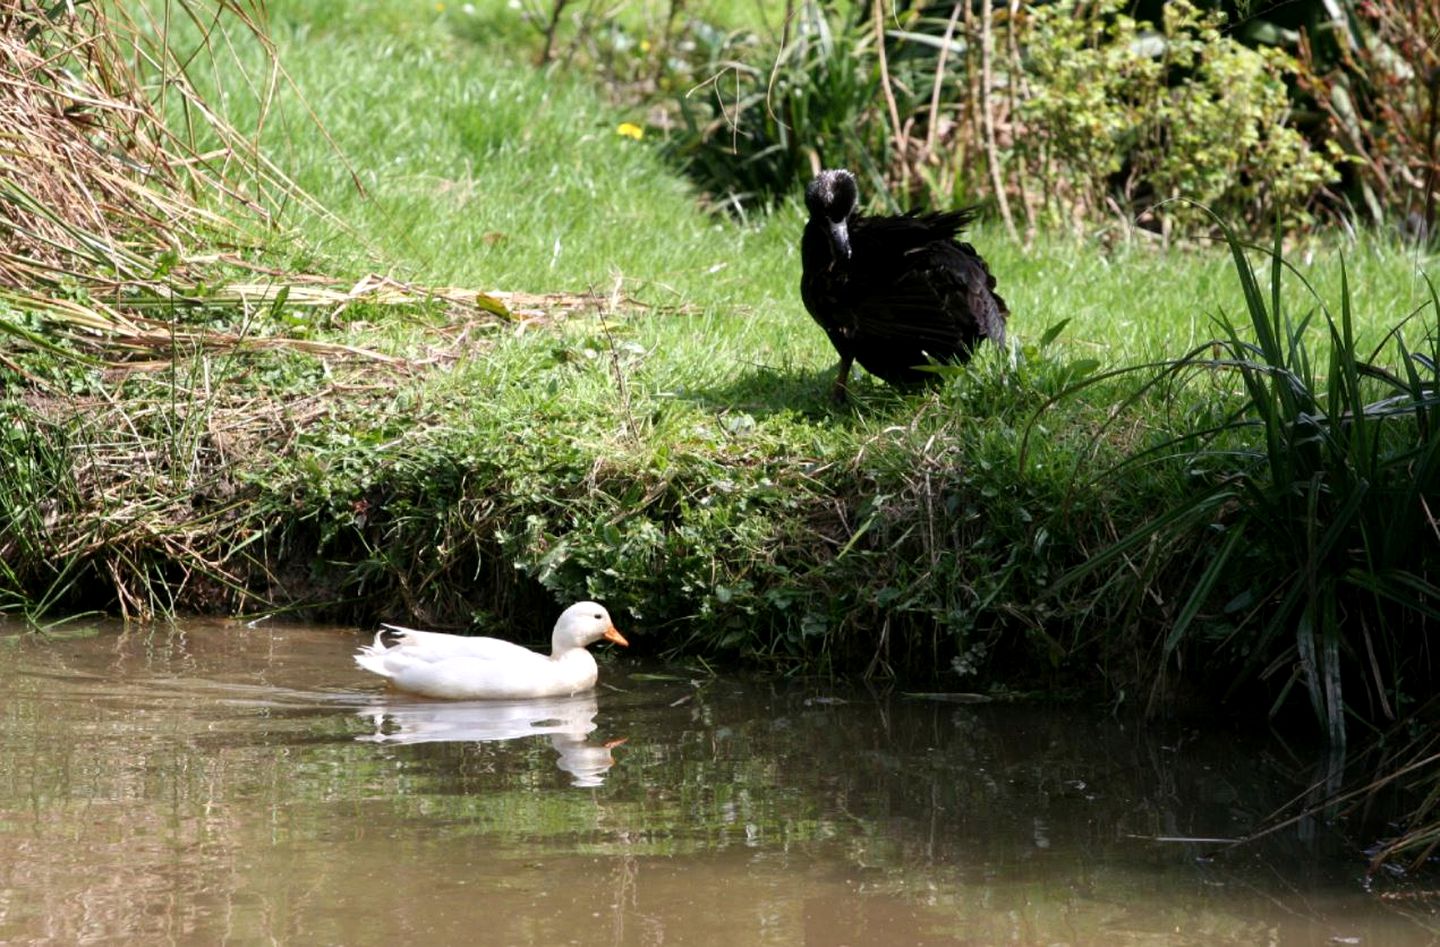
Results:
x,y
1203,587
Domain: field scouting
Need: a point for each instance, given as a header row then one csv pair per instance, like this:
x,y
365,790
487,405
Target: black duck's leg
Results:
x,y
840,391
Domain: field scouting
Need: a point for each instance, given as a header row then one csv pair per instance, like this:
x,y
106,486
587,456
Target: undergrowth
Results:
x,y
900,539
662,444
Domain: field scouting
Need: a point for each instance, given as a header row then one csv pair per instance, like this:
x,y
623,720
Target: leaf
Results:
x,y
1050,334
1081,368
1202,588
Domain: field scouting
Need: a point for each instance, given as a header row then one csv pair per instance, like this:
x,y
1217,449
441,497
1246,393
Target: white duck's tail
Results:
x,y
371,657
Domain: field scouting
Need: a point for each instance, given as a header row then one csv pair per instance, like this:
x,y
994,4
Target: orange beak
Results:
x,y
613,634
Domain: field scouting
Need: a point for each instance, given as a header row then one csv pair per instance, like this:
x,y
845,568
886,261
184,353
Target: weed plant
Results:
x,y
1310,526
766,116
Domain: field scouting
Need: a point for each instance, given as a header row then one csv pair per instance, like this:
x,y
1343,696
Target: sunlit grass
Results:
x,y
480,171
696,396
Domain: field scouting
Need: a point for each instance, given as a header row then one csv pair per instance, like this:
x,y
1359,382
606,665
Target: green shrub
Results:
x,y
773,110
1120,112
1077,111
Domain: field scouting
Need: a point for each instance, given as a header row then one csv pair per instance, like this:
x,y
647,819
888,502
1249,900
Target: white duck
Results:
x,y
432,664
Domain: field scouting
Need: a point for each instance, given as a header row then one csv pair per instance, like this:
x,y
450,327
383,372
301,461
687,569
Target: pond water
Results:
x,y
216,783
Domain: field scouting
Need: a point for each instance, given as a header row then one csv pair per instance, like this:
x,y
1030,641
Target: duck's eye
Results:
x,y
596,617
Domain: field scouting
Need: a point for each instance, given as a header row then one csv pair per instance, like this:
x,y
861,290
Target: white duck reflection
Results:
x,y
566,720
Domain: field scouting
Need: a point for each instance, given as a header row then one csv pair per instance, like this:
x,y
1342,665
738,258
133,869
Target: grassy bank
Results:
x,y
659,438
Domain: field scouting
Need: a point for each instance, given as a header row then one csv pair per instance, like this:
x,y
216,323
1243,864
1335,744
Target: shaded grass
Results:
x,y
670,451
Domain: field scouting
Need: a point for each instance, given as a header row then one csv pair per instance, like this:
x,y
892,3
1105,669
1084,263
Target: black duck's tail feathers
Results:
x,y
950,221
989,311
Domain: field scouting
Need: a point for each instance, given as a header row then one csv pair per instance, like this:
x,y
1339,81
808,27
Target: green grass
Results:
x,y
481,172
676,457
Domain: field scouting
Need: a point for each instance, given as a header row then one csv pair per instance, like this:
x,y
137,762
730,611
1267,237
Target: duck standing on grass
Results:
x,y
432,664
893,293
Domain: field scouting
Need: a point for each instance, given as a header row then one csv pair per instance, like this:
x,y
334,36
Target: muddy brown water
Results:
x,y
209,783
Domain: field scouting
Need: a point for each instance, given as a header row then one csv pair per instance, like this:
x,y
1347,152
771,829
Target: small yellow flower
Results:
x,y
644,46
630,130
439,8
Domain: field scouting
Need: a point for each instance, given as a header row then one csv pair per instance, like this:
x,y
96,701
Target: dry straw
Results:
x,y
115,174
92,180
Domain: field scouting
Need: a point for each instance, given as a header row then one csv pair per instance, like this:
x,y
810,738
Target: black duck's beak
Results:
x,y
840,240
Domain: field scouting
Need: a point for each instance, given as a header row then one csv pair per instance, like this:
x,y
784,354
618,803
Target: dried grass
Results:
x,y
107,212
104,206
92,180
152,499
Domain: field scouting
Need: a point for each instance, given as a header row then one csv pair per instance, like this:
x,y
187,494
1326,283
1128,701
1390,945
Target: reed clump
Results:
x,y
1306,543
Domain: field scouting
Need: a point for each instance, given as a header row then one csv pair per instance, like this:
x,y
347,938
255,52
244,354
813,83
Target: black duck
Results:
x,y
893,293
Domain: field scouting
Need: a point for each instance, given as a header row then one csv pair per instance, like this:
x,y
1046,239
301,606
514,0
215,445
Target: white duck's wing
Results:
x,y
465,677
435,645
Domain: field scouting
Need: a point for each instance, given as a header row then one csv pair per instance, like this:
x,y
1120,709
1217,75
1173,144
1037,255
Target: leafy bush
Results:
x,y
1122,115
772,111
1071,111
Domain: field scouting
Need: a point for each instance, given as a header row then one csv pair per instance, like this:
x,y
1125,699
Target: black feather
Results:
x,y
894,293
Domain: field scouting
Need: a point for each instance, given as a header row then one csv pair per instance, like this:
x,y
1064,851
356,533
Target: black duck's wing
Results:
x,y
911,280
986,305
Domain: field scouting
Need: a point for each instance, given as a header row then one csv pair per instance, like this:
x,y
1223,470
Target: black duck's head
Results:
x,y
830,197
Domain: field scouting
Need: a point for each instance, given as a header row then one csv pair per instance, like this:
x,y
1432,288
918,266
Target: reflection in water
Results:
x,y
567,720
211,783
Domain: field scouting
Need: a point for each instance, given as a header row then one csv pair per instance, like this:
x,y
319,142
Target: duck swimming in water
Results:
x,y
893,293
433,664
